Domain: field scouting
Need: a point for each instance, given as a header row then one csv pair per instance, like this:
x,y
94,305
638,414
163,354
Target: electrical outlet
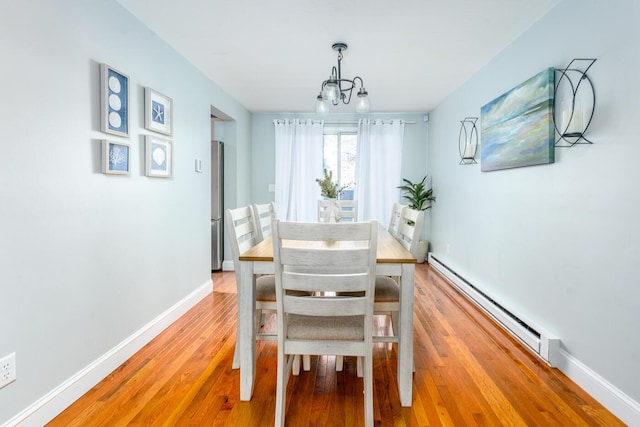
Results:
x,y
7,369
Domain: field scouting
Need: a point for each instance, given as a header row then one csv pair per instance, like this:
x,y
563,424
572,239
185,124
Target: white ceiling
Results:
x,y
272,56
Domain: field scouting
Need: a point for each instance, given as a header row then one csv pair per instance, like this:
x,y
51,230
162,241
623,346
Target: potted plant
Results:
x,y
417,194
419,198
330,190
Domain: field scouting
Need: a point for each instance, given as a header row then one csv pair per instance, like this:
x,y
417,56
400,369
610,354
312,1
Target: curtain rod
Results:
x,y
347,122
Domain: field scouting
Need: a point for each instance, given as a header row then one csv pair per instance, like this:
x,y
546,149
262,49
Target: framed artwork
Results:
x,y
114,95
116,157
158,114
158,157
517,127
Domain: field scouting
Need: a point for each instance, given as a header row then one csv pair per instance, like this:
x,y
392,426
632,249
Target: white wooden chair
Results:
x,y
396,211
243,234
242,231
410,229
387,299
324,323
263,215
348,210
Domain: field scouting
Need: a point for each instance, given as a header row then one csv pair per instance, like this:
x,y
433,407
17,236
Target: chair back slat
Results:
x,y
263,215
314,306
351,259
241,228
301,281
394,222
410,229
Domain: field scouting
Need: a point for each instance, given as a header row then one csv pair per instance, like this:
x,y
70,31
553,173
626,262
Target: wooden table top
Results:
x,y
389,250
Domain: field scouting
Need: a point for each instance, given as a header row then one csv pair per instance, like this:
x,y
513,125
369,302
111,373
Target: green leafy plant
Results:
x,y
417,194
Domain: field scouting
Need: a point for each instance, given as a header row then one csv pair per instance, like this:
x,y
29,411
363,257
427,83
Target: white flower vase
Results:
x,y
421,251
333,212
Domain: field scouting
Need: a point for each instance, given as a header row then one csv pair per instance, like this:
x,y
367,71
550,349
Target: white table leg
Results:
x,y
405,344
246,330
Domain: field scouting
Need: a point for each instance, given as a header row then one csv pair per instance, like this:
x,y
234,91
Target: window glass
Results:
x,y
340,151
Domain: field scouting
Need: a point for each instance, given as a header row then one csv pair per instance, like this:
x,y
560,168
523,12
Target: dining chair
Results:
x,y
242,232
332,257
396,212
410,229
242,228
348,210
387,299
263,215
387,289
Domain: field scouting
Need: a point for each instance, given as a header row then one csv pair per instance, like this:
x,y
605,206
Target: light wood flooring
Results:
x,y
468,373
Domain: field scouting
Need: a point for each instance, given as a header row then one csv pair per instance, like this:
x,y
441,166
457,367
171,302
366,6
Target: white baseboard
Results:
x,y
227,266
620,404
57,400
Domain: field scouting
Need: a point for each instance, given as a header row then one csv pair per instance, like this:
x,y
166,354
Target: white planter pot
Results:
x,y
421,251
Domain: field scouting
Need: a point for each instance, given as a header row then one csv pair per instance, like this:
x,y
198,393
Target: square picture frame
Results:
x,y
116,157
158,157
114,101
158,115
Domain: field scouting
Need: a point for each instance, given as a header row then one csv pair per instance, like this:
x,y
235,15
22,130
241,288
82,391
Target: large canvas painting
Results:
x,y
517,127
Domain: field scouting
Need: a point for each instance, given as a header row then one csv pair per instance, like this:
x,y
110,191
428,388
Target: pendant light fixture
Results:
x,y
336,88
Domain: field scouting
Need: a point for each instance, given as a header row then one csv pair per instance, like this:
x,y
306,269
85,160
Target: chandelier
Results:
x,y
336,88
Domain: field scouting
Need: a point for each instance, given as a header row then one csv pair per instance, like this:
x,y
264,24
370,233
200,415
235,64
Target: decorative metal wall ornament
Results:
x,y
336,88
468,141
576,97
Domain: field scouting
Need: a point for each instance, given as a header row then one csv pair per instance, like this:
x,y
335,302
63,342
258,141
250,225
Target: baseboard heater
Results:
x,y
542,343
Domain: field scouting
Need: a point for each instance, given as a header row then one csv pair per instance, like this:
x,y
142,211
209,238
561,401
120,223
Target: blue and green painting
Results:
x,y
517,127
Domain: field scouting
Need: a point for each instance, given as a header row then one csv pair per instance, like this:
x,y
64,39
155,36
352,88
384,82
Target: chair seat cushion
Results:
x,y
387,289
340,328
266,288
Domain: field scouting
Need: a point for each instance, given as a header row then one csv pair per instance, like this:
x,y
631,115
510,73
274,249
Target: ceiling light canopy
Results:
x,y
336,88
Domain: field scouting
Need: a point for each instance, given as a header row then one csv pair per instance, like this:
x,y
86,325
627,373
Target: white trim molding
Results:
x,y
57,400
623,406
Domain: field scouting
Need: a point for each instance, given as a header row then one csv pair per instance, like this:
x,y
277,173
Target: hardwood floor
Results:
x,y
468,373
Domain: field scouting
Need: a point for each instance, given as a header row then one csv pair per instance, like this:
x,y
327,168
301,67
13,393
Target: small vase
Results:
x,y
333,212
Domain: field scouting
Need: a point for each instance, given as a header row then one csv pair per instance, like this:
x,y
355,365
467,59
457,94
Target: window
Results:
x,y
339,156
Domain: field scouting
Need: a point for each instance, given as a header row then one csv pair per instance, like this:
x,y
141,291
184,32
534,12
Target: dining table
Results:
x,y
392,259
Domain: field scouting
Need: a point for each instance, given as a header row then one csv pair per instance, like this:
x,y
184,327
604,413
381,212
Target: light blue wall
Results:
x,y
559,244
87,259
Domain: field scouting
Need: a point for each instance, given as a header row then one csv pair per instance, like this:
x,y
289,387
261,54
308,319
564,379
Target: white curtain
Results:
x,y
298,164
378,168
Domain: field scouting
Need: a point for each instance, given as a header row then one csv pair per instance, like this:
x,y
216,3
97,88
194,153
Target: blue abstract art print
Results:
x,y
517,127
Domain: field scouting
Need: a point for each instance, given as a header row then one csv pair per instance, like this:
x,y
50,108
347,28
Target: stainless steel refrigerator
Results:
x,y
217,206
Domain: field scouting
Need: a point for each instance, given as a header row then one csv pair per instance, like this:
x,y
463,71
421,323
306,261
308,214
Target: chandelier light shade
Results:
x,y
336,88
